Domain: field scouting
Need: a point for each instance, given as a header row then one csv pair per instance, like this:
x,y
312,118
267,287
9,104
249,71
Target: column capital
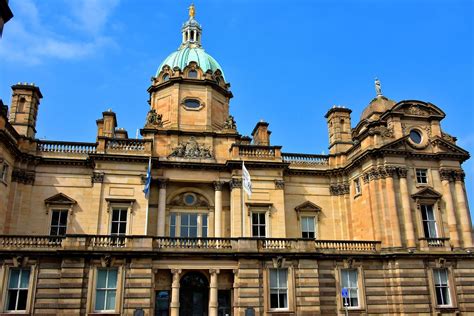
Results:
x,y
162,183
279,184
459,175
446,174
214,271
235,183
218,185
402,172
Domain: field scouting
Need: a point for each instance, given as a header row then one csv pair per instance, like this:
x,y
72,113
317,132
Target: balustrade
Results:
x,y
305,159
66,147
30,242
126,145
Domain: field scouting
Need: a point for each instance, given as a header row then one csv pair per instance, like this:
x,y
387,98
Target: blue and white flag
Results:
x,y
146,190
246,182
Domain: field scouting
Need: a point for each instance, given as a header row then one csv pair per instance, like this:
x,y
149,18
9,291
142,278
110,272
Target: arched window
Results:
x,y
192,74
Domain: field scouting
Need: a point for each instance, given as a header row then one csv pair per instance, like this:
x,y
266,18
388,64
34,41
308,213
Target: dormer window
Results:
x,y
166,77
192,74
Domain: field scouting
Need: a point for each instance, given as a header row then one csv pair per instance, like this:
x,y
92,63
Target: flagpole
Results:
x,y
148,196
243,201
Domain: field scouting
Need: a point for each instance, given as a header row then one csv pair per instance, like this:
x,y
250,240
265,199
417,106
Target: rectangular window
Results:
x,y
106,289
58,223
188,225
18,282
421,176
258,225
307,227
349,281
119,222
429,221
4,172
357,188
279,288
172,225
204,226
443,297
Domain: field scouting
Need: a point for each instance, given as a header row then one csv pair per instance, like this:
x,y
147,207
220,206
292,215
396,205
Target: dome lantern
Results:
x,y
191,31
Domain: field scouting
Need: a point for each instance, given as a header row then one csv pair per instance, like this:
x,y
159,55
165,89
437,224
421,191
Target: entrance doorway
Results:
x,y
193,295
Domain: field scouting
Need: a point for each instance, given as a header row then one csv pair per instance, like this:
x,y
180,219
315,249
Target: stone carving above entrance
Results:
x,y
191,149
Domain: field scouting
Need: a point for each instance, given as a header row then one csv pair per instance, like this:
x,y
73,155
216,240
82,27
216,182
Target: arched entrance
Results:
x,y
193,295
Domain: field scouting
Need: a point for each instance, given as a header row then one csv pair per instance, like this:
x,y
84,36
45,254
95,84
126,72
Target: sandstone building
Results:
x,y
383,218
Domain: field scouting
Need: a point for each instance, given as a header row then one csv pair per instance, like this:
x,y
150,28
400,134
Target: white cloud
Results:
x,y
28,40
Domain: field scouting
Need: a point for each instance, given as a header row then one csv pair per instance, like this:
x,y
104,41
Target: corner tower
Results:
x,y
189,91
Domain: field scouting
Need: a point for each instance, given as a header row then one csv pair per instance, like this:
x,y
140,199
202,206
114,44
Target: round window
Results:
x,y
189,199
415,136
192,103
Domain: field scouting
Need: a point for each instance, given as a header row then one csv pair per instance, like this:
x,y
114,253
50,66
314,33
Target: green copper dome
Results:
x,y
183,56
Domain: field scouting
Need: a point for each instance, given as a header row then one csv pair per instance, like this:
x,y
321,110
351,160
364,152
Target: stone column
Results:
x,y
175,292
463,211
161,207
446,178
235,287
236,208
218,209
404,193
213,303
394,219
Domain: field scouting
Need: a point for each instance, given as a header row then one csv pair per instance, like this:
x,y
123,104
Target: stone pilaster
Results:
x,y
175,292
405,196
463,211
213,303
162,183
446,176
218,208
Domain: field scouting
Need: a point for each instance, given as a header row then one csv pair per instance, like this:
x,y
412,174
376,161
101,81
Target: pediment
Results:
x,y
308,207
60,199
447,146
427,193
418,108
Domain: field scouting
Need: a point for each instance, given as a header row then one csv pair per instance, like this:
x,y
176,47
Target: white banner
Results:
x,y
246,182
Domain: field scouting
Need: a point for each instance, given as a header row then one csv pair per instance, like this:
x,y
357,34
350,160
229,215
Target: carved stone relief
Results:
x,y
191,149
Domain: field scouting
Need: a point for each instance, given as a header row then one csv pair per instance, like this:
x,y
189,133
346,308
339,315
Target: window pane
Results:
x,y
262,218
101,279
123,215
22,298
261,231
273,278
112,279
173,219
204,220
184,219
11,304
193,219
115,215
110,302
61,231
282,274
282,299
100,300
274,300
353,278
254,218
25,278
193,232
14,277
122,228
63,218
255,231
55,218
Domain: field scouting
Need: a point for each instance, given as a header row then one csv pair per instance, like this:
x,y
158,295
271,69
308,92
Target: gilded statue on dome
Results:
x,y
192,11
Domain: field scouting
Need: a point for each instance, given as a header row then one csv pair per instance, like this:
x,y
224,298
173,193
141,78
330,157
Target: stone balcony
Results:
x,y
145,244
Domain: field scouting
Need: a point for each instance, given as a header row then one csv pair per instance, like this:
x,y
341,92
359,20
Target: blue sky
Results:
x,y
288,61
